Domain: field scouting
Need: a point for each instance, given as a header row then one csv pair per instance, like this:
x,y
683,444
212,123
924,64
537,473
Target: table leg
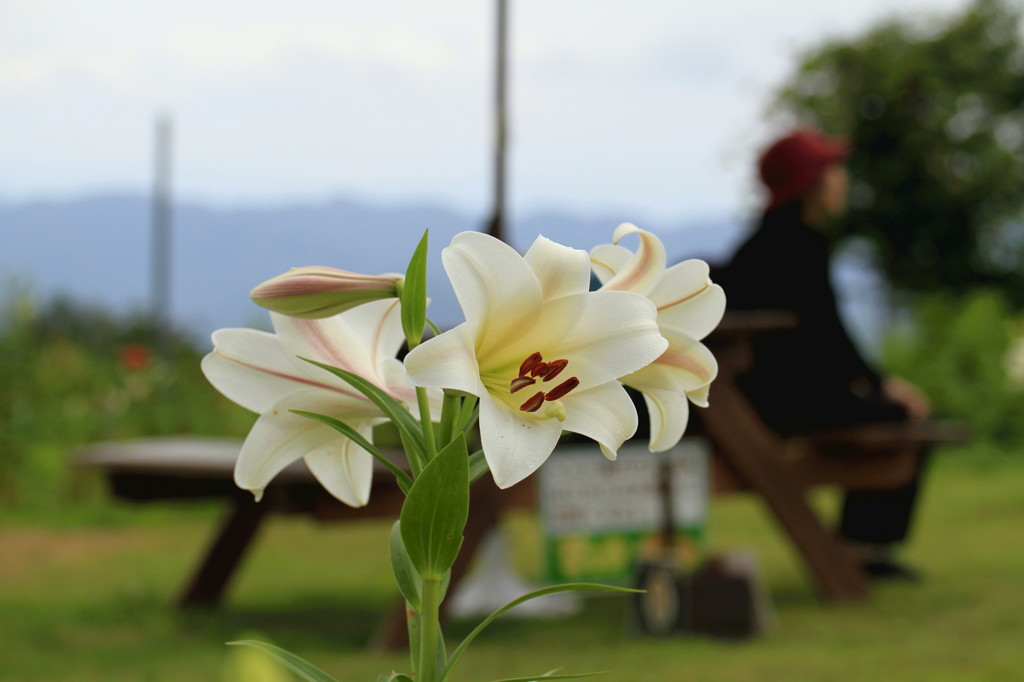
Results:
x,y
224,553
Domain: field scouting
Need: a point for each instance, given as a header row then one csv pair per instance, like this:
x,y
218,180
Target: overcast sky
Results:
x,y
653,106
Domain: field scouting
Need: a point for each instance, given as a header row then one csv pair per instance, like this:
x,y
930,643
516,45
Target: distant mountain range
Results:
x,y
97,249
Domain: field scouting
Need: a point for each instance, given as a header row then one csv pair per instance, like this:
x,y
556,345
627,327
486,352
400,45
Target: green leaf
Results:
x,y
407,424
551,676
394,677
441,662
409,582
435,511
477,466
414,295
296,664
554,589
414,456
413,623
404,480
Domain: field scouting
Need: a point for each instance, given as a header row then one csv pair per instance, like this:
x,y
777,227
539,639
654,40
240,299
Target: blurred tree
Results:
x,y
934,111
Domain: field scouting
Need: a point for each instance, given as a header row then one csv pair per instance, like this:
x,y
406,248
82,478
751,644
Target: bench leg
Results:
x,y
752,453
224,553
832,567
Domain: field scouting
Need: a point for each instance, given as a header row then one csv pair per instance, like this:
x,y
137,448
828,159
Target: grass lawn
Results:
x,y
90,602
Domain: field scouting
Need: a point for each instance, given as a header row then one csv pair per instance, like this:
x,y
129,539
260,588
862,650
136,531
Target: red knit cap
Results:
x,y
795,163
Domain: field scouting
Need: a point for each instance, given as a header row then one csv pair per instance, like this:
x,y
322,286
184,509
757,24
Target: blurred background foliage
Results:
x,y
963,351
934,111
73,373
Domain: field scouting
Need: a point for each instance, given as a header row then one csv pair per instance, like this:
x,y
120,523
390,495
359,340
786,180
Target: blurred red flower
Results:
x,y
135,357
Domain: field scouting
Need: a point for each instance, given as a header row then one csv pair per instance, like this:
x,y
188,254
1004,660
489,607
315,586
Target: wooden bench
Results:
x,y
749,456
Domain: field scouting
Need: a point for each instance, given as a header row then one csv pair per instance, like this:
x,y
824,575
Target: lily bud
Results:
x,y
314,292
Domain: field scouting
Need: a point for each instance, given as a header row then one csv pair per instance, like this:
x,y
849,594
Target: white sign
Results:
x,y
582,492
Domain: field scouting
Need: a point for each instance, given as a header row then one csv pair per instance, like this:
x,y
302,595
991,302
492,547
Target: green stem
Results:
x,y
449,410
466,413
429,443
429,629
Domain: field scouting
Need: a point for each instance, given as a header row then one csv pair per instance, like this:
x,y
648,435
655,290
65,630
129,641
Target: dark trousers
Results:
x,y
881,517
871,516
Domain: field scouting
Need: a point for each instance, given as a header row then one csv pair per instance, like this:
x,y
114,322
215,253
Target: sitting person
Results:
x,y
813,377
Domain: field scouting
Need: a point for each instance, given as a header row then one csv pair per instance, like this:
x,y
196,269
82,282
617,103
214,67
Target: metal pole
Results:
x,y
496,227
160,300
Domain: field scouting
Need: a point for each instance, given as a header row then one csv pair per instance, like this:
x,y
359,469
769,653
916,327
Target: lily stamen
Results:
x,y
529,363
520,383
555,368
534,403
562,389
534,368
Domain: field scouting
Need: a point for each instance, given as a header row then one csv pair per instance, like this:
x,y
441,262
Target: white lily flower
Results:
x,y
262,372
540,351
689,307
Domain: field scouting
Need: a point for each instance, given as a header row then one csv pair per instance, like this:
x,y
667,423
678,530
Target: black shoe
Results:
x,y
890,569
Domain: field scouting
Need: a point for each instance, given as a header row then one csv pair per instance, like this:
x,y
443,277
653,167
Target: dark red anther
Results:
x,y
561,389
534,403
540,370
529,363
555,368
519,383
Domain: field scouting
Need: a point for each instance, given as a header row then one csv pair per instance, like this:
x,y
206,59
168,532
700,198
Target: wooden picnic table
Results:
x,y
195,468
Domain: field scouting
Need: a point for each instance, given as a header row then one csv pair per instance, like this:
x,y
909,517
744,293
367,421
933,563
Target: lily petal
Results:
x,y
331,340
643,270
699,396
607,259
514,443
277,439
344,468
686,366
688,301
561,270
250,368
577,327
604,413
392,371
382,320
669,413
495,287
446,361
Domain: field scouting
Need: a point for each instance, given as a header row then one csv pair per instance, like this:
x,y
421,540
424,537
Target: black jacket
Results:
x,y
812,376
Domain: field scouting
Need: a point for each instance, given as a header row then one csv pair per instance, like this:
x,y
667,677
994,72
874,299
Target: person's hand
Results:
x,y
908,395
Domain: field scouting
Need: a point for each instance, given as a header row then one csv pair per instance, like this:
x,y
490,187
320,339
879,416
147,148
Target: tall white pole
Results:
x,y
496,227
160,292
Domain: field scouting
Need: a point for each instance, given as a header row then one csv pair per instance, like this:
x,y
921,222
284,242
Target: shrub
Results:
x,y
73,374
956,349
